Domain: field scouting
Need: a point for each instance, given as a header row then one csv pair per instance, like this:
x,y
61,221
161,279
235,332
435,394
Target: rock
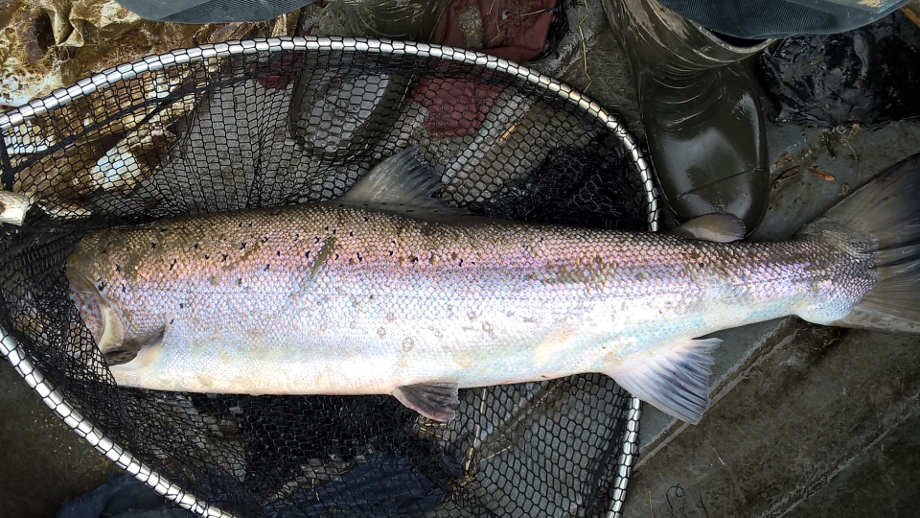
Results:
x,y
50,44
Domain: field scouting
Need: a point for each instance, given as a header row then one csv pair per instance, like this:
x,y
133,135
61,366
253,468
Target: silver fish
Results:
x,y
383,292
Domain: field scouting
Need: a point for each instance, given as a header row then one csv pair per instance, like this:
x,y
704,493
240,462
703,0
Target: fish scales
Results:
x,y
340,300
386,291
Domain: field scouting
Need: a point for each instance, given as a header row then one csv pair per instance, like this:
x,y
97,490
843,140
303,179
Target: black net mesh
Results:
x,y
270,128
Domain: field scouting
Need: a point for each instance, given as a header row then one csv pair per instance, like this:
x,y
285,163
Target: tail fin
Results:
x,y
886,212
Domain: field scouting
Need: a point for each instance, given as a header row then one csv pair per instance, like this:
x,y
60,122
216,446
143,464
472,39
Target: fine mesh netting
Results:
x,y
266,127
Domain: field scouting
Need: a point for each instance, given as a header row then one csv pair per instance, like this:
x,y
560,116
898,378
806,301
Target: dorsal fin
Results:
x,y
403,183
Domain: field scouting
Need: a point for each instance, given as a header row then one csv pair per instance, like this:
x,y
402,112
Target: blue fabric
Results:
x,y
211,11
385,486
123,496
747,19
762,19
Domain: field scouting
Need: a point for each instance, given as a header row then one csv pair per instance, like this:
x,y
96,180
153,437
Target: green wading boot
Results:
x,y
700,110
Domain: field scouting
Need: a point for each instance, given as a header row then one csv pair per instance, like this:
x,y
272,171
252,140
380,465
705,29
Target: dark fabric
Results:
x,y
211,11
762,19
123,496
510,29
868,75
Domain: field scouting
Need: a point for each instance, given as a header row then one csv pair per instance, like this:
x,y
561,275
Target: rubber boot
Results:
x,y
702,117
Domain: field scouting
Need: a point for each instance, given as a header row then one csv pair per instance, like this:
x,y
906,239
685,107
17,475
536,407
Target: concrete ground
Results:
x,y
806,421
818,422
42,463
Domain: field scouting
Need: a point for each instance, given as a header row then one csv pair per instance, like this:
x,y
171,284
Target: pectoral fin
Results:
x,y
673,378
436,401
127,350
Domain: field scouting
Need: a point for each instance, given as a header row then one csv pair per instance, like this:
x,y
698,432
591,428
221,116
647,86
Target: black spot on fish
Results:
x,y
153,245
117,267
239,282
307,254
181,305
239,225
336,258
223,257
391,252
461,263
316,239
278,253
358,255
250,223
266,268
100,286
172,321
326,228
242,246
366,219
413,259
351,233
195,246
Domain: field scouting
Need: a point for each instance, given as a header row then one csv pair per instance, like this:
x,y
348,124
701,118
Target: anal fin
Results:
x,y
437,400
673,378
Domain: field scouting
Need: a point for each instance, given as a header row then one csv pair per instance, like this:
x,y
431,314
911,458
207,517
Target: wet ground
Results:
x,y
806,421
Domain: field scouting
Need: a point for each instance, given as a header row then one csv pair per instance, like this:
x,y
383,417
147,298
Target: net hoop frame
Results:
x,y
82,426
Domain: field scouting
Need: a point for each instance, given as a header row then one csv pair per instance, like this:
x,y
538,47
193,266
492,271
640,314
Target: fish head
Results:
x,y
104,319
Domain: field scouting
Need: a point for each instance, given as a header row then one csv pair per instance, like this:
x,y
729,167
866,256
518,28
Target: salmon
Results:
x,y
386,291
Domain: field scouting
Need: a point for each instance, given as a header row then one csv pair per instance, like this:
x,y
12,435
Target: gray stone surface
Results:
x,y
42,463
803,432
852,156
